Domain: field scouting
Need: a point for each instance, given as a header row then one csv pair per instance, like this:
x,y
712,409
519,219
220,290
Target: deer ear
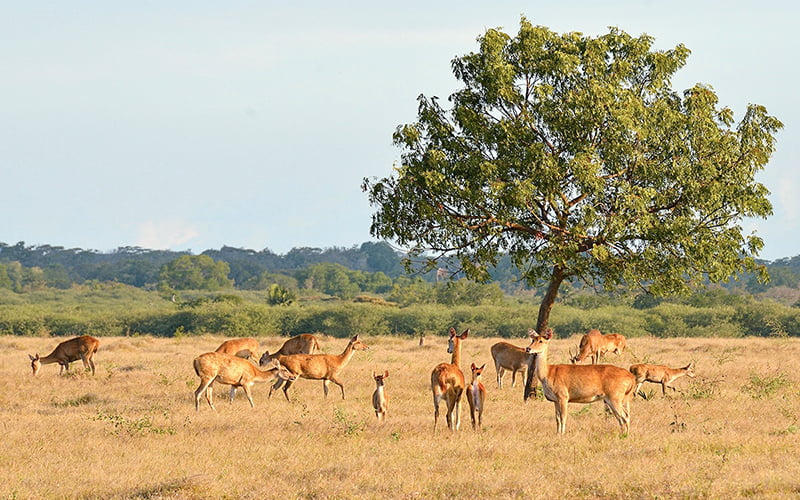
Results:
x,y
452,331
473,367
549,334
464,335
386,374
32,358
483,366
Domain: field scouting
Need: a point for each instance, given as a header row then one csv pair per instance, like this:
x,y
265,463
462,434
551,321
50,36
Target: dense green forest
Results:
x,y
48,290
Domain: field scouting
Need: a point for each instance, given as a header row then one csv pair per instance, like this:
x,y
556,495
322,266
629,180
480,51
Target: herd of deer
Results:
x,y
234,364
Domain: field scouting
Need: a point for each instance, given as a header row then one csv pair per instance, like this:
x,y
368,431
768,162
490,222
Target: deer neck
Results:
x,y
455,359
49,359
540,364
345,356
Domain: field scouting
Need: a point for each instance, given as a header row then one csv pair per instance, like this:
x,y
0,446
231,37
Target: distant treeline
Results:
x,y
25,268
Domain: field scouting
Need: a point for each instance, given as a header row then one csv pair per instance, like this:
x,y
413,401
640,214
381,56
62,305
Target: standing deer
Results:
x,y
659,374
379,399
305,343
82,348
564,384
594,344
325,367
476,396
246,348
234,371
447,382
512,358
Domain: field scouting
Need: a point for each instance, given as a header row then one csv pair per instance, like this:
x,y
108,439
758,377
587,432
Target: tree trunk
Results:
x,y
541,323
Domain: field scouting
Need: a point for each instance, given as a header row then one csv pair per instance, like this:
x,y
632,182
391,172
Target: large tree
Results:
x,y
574,155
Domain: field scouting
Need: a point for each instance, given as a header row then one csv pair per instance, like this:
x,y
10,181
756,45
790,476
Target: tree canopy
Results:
x,y
573,155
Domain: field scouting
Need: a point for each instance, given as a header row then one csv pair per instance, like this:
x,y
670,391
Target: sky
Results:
x,y
189,125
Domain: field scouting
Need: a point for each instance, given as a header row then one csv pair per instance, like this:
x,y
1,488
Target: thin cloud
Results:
x,y
165,234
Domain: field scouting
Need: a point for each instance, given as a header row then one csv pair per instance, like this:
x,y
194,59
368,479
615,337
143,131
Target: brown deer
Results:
x,y
594,344
447,382
325,367
512,358
246,348
234,371
564,384
476,396
659,374
305,343
66,352
379,398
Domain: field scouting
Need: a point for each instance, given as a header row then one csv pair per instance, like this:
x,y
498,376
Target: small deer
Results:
x,y
82,348
476,396
564,384
305,343
379,398
325,367
233,371
246,348
447,382
659,374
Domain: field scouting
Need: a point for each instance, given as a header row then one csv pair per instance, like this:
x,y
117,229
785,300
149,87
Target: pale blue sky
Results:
x,y
192,125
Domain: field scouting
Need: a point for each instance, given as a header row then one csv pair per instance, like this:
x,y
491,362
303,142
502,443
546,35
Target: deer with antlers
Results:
x,y
447,382
379,398
659,374
476,397
82,348
564,384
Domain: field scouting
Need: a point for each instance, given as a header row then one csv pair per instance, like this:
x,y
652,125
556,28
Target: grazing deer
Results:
x,y
379,399
476,396
447,382
243,348
594,344
564,384
659,374
82,348
305,343
512,358
234,371
325,367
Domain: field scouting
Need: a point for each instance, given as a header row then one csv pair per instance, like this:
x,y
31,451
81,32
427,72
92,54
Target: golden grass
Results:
x,y
131,431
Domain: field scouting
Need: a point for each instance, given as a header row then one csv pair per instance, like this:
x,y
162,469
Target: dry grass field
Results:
x,y
131,431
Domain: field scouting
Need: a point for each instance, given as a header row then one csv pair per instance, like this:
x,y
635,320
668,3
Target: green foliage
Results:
x,y
763,386
348,423
574,155
195,272
279,295
132,427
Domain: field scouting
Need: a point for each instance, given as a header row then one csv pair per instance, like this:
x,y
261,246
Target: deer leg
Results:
x,y
500,372
436,399
286,385
233,393
561,414
341,385
325,387
91,362
249,396
274,387
513,378
199,393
